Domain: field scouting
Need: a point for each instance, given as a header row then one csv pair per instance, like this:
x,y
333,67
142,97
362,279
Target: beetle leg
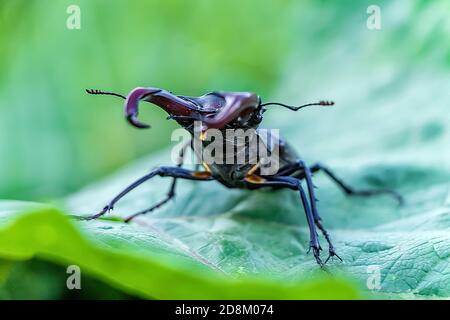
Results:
x,y
299,167
317,218
171,193
252,177
352,192
295,184
255,179
175,172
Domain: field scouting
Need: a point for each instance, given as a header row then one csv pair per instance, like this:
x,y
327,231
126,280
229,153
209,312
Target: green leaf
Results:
x,y
138,263
242,233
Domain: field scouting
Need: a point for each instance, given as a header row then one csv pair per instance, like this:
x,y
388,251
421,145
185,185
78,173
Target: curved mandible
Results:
x,y
132,102
171,103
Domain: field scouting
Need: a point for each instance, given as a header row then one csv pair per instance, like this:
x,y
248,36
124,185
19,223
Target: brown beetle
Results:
x,y
233,110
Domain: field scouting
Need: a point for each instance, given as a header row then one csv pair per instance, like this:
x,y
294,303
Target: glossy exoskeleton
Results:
x,y
235,110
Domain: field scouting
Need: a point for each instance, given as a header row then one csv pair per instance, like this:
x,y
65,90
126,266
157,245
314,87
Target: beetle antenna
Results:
x,y
95,91
295,108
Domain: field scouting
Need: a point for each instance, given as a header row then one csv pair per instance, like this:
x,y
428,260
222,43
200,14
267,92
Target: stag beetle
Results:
x,y
222,110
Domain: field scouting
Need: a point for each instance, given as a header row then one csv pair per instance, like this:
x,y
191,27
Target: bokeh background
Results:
x,y
54,138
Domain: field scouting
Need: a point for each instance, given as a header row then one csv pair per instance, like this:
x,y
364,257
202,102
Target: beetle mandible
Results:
x,y
236,110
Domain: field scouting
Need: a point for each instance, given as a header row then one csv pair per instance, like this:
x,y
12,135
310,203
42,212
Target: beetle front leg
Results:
x,y
175,172
293,184
170,193
317,219
300,170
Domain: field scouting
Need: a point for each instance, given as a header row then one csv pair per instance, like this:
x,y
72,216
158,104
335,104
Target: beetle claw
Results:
x,y
331,254
316,252
136,123
106,209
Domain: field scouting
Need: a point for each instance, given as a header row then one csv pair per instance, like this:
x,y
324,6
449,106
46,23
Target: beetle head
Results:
x,y
221,110
218,110
215,110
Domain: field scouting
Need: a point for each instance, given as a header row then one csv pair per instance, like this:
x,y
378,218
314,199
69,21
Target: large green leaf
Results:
x,y
245,233
140,262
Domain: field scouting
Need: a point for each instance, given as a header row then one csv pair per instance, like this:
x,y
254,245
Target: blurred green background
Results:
x,y
54,138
